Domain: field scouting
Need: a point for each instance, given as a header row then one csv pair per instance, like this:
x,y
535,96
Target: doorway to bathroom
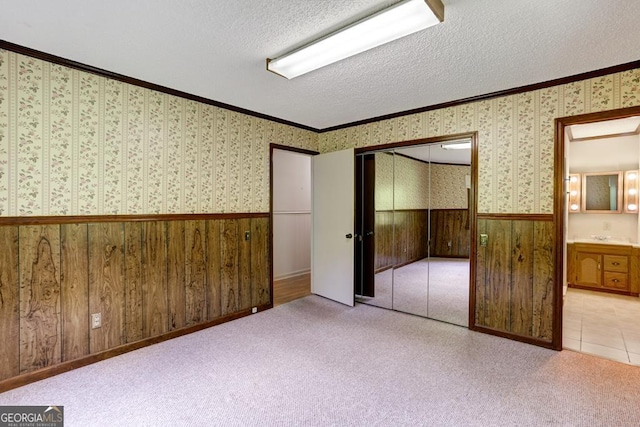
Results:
x,y
601,281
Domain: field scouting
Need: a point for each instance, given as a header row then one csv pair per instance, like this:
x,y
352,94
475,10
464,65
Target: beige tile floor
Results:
x,y
601,324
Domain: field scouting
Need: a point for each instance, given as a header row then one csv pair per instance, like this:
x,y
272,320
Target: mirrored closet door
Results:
x,y
414,224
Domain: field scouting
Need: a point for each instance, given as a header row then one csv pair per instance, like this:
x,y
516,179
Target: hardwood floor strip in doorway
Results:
x,y
292,288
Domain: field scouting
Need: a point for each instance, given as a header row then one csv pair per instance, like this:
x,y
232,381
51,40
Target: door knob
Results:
x,y
369,233
349,236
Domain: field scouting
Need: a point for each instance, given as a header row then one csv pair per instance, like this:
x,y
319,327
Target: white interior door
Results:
x,y
332,213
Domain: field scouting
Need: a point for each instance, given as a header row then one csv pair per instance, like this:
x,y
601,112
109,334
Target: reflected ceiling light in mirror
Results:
x,y
457,145
397,21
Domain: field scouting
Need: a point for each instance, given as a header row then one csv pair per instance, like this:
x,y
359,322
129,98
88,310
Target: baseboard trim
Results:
x,y
411,261
382,269
292,275
603,290
509,335
40,374
385,268
450,256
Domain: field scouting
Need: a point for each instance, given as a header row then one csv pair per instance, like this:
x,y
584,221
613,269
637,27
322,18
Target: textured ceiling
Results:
x,y
217,49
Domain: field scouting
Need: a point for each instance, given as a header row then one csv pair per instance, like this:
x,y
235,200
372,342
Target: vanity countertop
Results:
x,y
604,242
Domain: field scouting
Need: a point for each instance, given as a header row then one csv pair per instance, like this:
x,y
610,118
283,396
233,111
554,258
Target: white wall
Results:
x,y
291,213
622,227
604,155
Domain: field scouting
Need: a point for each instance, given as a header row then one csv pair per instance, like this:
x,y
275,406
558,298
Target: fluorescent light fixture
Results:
x,y
457,146
604,129
399,20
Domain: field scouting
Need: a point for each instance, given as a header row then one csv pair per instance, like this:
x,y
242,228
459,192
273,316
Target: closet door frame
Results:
x,y
473,136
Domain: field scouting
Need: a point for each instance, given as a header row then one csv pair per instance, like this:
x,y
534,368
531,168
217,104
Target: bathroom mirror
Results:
x,y
602,192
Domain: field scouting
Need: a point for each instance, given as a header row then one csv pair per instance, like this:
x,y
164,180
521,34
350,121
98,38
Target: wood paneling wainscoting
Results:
x,y
383,237
450,234
400,237
151,278
515,277
411,240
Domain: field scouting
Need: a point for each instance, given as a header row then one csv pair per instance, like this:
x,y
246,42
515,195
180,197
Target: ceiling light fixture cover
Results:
x,y
399,20
606,128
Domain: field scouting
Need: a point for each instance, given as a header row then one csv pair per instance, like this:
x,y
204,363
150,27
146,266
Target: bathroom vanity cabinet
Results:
x,y
603,267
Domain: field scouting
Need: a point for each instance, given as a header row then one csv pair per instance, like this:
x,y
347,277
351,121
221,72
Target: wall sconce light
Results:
x,y
397,21
575,186
631,192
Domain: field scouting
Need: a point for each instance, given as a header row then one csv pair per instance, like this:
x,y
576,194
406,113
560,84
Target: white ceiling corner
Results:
x,y
217,49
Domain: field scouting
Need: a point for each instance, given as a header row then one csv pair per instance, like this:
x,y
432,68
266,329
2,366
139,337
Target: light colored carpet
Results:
x,y
383,290
437,288
449,290
314,362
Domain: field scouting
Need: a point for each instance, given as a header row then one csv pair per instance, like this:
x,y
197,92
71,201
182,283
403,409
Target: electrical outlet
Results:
x,y
254,310
96,320
606,225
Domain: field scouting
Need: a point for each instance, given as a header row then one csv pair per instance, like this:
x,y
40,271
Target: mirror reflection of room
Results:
x,y
422,232
602,192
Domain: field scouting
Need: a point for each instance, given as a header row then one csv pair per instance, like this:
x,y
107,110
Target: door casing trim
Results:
x,y
558,200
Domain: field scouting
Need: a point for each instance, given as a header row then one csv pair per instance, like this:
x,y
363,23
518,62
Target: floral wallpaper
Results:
x,y
448,186
410,183
383,197
515,136
418,185
74,143
602,192
401,183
